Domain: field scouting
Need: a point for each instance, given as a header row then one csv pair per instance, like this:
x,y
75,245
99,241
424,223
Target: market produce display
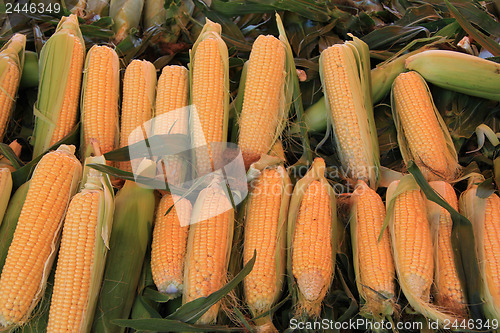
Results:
x,y
253,166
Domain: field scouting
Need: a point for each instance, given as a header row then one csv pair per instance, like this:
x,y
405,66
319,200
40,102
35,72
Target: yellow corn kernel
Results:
x,y
28,261
261,286
169,243
491,245
374,256
347,126
209,243
312,261
421,128
208,99
263,98
70,297
413,243
171,116
139,85
100,99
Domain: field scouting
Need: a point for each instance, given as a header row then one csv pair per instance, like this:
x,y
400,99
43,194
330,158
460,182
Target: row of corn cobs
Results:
x,y
193,259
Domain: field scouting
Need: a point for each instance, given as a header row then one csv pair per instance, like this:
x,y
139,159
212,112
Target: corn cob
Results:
x,y
5,190
412,246
11,66
32,250
376,286
132,224
312,239
264,98
60,65
209,94
484,214
265,233
81,259
422,134
209,246
345,76
169,243
448,291
172,115
101,84
461,72
139,87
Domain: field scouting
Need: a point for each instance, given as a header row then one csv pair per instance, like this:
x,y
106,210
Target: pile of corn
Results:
x,y
67,214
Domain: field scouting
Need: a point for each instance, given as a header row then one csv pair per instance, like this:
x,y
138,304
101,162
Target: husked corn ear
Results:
x,y
345,92
100,98
422,135
168,250
312,260
449,293
263,101
491,245
139,87
60,65
209,245
374,264
32,251
172,98
209,93
413,243
73,274
265,224
11,65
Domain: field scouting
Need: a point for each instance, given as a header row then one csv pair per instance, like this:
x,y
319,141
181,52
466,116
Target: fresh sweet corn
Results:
x,y
209,94
99,107
209,246
82,254
11,66
168,250
60,65
32,250
139,86
5,190
375,285
312,239
422,134
264,98
448,290
265,227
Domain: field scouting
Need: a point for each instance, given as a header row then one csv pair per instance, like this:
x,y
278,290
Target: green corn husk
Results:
x,y
357,57
29,79
93,182
76,7
126,15
5,191
305,308
11,67
201,157
460,72
54,68
473,206
427,309
133,218
264,323
9,221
